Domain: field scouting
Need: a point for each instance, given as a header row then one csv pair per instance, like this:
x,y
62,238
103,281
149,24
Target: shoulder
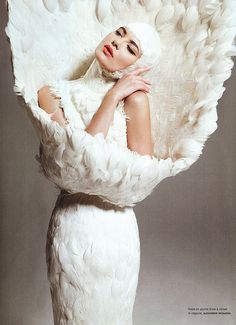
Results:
x,y
136,106
138,97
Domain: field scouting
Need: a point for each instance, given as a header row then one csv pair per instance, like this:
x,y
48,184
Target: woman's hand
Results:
x,y
130,83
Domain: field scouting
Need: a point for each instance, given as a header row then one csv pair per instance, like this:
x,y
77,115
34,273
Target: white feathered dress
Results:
x,y
93,247
198,41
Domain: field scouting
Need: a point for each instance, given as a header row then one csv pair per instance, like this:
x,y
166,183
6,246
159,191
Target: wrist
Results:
x,y
112,95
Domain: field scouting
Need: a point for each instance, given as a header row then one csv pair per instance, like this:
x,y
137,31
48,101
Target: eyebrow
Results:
x,y
131,41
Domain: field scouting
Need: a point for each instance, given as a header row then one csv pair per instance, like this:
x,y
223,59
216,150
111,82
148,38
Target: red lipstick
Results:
x,y
108,50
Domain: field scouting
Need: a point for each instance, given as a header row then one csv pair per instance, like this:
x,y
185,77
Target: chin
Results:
x,y
102,59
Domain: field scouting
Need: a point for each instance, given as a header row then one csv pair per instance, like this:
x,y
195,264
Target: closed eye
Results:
x,y
130,50
118,33
128,47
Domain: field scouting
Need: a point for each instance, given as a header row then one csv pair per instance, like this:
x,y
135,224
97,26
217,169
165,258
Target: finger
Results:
x,y
143,79
145,89
143,86
139,70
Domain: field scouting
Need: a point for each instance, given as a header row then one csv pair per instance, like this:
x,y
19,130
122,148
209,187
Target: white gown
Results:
x,y
93,259
93,247
198,41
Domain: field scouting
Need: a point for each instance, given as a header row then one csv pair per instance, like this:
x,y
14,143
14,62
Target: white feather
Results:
x,y
50,5
65,4
55,45
190,18
103,9
151,4
164,16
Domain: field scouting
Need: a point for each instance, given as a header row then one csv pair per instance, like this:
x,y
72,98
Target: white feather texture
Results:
x,y
52,45
187,84
93,249
93,259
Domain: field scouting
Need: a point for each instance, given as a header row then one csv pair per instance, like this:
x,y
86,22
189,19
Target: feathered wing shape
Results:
x,y
53,40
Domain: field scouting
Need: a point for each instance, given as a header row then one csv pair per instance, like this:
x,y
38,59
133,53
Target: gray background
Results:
x,y
187,226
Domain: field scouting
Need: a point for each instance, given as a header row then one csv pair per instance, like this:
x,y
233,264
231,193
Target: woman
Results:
x,y
93,249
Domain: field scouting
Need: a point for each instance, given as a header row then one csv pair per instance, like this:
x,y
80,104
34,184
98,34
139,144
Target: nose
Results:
x,y
114,44
119,41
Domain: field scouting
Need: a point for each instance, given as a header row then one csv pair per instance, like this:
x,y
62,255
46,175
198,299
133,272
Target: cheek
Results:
x,y
108,39
105,40
125,58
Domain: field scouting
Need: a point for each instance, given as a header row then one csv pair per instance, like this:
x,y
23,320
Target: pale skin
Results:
x,y
131,87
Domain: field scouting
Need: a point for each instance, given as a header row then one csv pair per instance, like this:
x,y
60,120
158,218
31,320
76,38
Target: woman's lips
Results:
x,y
107,50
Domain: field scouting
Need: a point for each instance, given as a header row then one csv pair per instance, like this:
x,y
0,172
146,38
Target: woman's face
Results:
x,y
124,47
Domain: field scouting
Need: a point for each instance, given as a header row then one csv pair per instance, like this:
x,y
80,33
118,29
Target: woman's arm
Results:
x,y
51,104
103,117
136,106
100,121
139,136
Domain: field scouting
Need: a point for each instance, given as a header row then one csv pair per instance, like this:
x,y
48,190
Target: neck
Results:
x,y
98,79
